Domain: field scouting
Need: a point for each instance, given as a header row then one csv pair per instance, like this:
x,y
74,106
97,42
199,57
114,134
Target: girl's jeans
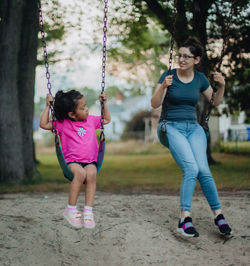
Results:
x,y
188,145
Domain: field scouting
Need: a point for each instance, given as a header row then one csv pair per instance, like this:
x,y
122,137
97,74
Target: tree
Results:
x,y
135,127
18,44
205,19
90,95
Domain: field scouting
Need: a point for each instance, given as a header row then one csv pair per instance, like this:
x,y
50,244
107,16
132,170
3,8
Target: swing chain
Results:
x,y
46,63
105,28
172,37
226,36
223,52
170,59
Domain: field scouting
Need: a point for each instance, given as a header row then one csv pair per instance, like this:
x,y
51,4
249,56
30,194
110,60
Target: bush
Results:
x,y
135,127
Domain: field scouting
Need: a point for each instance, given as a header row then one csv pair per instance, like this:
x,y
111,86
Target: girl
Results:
x,y
187,139
77,131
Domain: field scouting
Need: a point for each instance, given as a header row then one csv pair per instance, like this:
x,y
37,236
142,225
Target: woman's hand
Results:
x,y
219,78
103,97
49,99
167,81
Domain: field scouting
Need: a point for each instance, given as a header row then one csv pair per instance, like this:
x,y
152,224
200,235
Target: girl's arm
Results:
x,y
44,118
160,91
219,93
106,113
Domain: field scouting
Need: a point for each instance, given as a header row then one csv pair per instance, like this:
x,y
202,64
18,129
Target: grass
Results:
x,y
235,147
136,167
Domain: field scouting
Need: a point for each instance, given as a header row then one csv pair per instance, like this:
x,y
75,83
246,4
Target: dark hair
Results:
x,y
65,102
194,45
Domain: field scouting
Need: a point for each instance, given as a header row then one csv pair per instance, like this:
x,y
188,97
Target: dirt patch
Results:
x,y
131,230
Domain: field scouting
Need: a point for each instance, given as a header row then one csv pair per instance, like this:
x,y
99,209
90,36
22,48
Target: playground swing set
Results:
x,y
66,170
162,131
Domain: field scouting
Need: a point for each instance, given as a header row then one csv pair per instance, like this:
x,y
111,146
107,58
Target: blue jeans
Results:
x,y
188,145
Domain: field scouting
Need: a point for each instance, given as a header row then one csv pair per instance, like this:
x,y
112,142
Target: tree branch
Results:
x,y
164,15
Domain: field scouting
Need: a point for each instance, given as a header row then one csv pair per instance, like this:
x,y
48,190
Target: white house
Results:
x,y
233,127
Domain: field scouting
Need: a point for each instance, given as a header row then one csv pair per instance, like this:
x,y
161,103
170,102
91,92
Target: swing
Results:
x,y
101,150
162,130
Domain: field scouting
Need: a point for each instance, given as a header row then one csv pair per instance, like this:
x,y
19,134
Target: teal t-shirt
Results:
x,y
180,104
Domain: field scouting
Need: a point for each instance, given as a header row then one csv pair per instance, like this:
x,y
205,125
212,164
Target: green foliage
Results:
x,y
90,95
236,66
112,91
140,46
146,27
58,22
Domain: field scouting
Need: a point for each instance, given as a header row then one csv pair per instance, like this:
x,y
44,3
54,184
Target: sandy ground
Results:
x,y
131,230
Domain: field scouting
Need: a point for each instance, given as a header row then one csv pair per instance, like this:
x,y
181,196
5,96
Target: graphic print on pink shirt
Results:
x,y
78,139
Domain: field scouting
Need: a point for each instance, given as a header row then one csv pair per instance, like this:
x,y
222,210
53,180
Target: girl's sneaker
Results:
x,y
73,216
88,219
186,228
222,225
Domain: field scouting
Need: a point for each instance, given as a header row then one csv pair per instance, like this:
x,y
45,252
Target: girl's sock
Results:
x,y
71,207
88,208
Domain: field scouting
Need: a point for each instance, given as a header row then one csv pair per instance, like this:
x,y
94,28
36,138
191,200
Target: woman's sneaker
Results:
x,y
73,216
88,219
222,225
186,228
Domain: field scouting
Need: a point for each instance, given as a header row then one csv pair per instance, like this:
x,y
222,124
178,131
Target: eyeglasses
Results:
x,y
185,57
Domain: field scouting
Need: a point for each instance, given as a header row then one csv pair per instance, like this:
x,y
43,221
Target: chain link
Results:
x,y
45,54
218,65
170,57
226,36
172,37
105,29
46,64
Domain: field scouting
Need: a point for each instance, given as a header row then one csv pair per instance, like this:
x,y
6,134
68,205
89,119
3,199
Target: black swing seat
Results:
x,y
162,133
65,168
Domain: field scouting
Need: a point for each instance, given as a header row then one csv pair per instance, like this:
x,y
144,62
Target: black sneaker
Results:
x,y
222,225
186,228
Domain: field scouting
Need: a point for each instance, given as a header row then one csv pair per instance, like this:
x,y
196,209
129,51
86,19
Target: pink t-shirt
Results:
x,y
78,139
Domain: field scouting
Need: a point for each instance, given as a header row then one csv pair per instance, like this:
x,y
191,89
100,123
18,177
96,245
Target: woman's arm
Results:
x,y
44,118
160,91
106,113
220,91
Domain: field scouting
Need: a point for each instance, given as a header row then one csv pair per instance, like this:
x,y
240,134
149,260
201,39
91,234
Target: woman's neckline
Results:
x,y
176,71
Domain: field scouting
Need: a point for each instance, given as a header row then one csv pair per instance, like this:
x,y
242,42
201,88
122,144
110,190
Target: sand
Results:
x,y
137,229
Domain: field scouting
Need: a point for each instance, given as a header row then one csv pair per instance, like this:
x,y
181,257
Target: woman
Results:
x,y
186,138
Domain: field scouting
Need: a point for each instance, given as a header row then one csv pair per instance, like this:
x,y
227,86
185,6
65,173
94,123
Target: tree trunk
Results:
x,y
16,88
26,80
200,14
11,163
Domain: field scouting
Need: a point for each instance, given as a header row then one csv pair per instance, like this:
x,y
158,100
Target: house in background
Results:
x,y
122,110
232,127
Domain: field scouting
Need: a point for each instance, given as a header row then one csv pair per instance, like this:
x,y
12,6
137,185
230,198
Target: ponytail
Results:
x,y
65,102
